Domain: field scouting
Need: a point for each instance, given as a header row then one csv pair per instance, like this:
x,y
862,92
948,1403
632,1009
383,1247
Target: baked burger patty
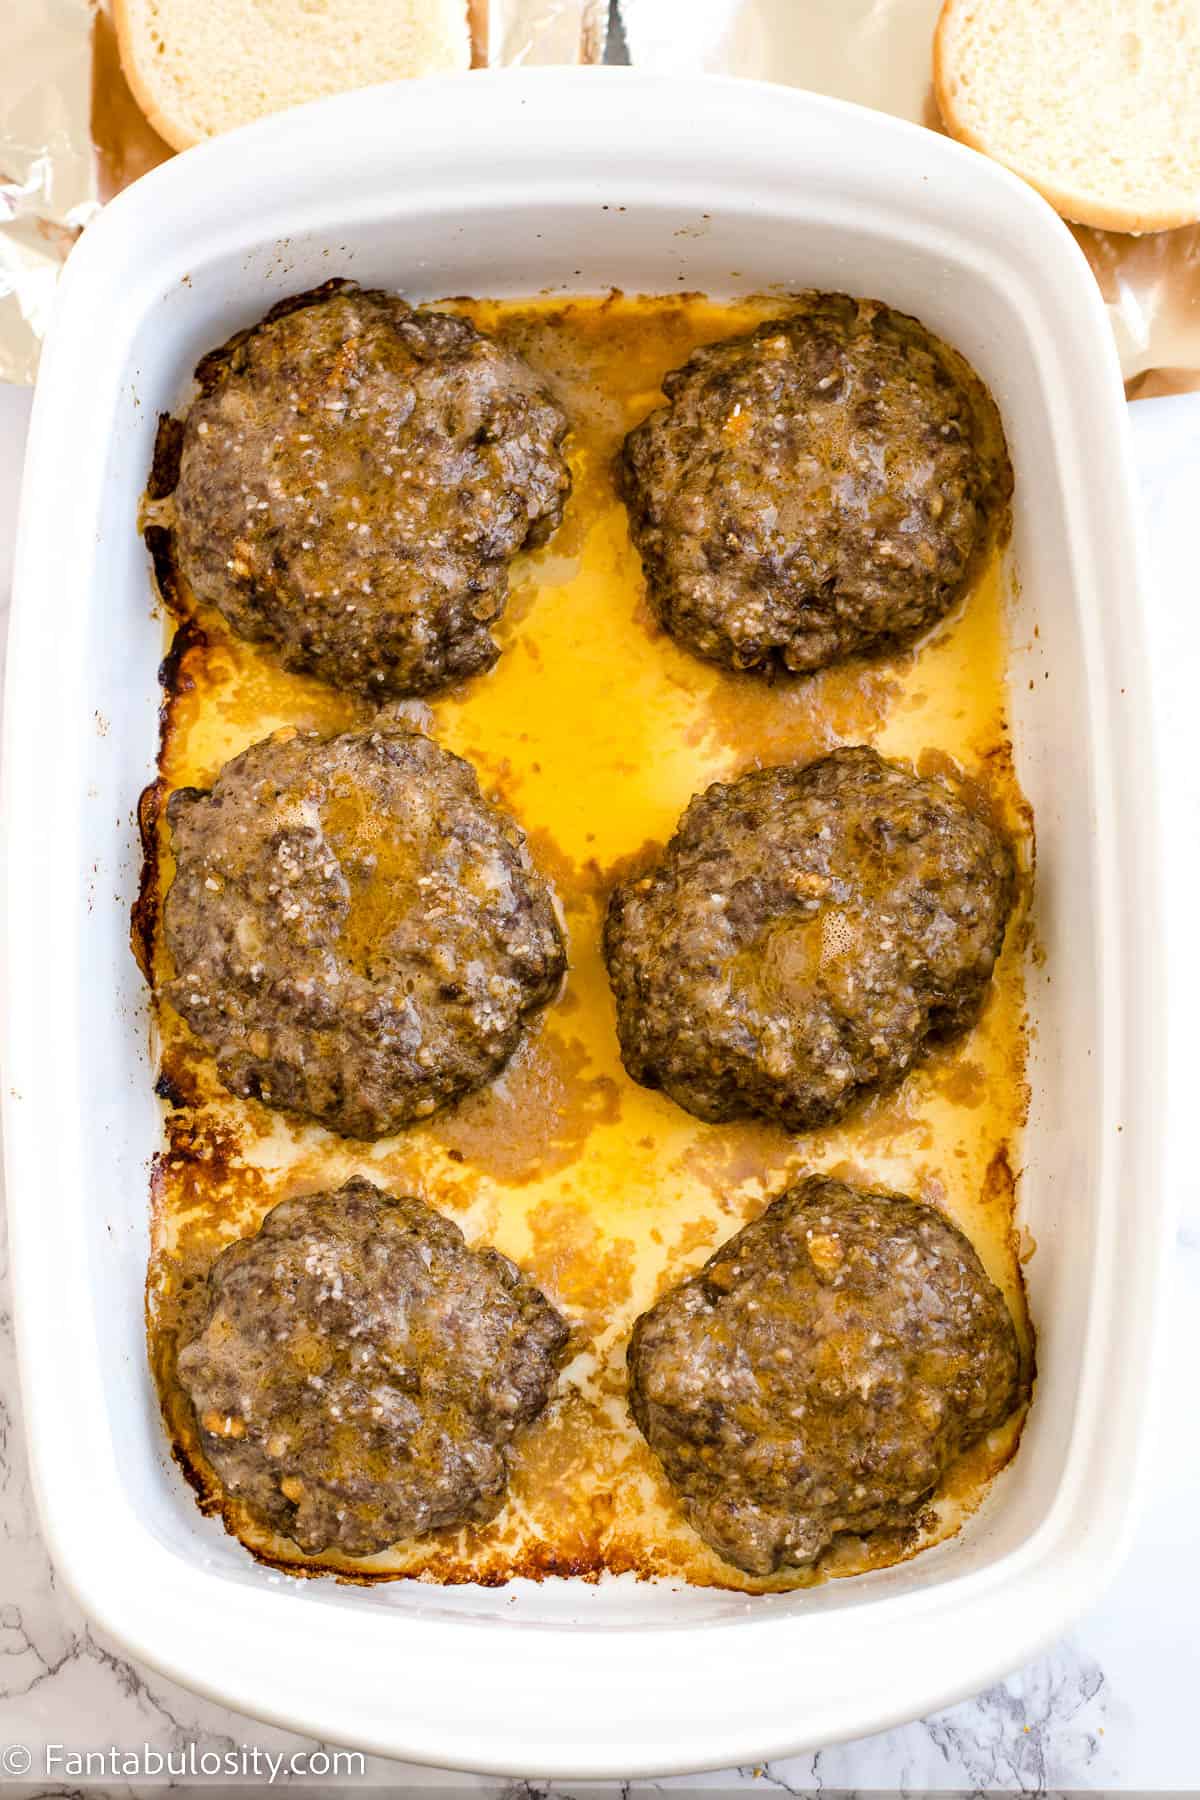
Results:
x,y
816,489
357,934
354,478
359,1373
821,1372
806,933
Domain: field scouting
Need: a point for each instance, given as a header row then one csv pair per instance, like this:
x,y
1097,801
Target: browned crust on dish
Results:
x,y
144,919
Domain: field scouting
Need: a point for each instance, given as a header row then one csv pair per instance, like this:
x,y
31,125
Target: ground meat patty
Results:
x,y
805,934
821,1372
816,489
360,1373
353,480
357,934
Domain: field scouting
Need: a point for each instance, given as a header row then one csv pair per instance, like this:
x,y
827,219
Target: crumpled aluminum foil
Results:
x,y
72,135
47,177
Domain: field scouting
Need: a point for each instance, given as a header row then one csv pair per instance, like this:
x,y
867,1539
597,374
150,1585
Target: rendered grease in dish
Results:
x,y
814,490
821,1372
354,478
805,934
360,1373
603,1192
357,935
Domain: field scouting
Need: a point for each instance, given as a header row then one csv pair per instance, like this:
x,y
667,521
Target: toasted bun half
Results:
x,y
199,67
1096,103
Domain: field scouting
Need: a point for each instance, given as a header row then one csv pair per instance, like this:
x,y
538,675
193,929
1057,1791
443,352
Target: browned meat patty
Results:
x,y
354,478
360,1372
806,933
357,934
816,489
821,1372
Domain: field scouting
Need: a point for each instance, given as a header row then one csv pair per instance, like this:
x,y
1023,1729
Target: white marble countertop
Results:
x,y
1109,1708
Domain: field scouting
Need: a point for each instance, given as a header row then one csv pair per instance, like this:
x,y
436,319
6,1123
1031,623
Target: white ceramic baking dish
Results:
x,y
506,185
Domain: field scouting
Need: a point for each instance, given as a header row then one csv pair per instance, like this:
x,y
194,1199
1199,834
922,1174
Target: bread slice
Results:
x,y
1096,103
198,67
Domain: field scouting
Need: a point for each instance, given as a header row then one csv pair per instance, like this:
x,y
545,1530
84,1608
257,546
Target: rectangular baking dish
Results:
x,y
505,185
